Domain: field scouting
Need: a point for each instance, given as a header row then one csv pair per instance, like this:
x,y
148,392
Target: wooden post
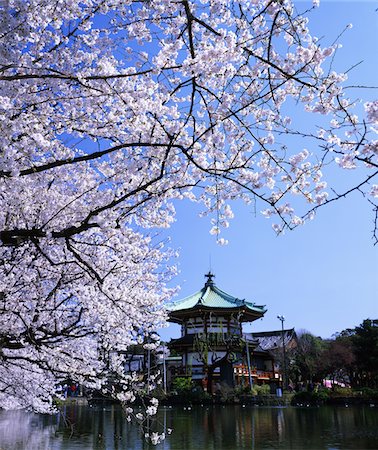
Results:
x,y
249,366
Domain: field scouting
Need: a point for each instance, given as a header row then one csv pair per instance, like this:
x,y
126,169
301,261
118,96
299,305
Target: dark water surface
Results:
x,y
200,428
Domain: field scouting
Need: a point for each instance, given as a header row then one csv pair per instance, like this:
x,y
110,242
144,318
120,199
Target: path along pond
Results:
x,y
198,428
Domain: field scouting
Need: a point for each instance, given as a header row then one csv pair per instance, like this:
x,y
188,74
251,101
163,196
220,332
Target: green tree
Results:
x,y
365,345
308,360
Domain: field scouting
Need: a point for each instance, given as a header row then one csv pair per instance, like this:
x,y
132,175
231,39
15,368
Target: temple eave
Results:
x,y
244,313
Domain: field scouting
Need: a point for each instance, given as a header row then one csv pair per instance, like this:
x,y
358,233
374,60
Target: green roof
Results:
x,y
210,296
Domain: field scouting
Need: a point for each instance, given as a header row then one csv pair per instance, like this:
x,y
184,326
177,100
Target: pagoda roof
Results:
x,y
211,298
271,340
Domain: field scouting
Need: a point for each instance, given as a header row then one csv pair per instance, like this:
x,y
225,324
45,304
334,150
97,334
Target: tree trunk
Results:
x,y
209,385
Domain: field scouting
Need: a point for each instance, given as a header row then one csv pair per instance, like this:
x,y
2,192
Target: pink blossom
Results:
x,y
372,111
374,191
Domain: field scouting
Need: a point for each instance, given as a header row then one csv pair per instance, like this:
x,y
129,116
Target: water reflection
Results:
x,y
229,427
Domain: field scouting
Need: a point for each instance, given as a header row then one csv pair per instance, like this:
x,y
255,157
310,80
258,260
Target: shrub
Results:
x,y
368,393
243,390
226,393
342,392
310,398
264,389
182,384
185,391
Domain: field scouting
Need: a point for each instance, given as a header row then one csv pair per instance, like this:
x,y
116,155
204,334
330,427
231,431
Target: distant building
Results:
x,y
212,345
268,353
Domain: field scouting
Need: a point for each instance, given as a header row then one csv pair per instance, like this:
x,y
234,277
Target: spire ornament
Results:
x,y
209,277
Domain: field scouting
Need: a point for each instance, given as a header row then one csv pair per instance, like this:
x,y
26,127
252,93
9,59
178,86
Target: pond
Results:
x,y
198,428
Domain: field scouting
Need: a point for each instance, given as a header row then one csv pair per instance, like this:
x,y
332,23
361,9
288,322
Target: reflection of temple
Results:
x,y
212,344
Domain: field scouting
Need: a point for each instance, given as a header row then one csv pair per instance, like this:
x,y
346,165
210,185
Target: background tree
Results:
x,y
309,365
350,358
339,359
110,111
365,346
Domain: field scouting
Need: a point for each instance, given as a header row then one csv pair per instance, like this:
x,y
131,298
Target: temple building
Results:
x,y
267,357
212,345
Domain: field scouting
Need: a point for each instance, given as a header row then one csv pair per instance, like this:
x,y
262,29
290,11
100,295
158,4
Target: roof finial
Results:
x,y
209,277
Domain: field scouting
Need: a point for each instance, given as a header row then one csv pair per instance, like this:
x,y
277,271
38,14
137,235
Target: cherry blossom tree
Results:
x,y
111,111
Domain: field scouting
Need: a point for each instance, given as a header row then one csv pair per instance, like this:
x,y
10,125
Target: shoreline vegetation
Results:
x,y
322,396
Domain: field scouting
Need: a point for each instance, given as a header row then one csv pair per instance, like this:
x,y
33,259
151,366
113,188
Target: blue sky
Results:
x,y
322,277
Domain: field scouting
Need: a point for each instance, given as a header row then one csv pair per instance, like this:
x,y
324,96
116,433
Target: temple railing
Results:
x,y
242,371
239,371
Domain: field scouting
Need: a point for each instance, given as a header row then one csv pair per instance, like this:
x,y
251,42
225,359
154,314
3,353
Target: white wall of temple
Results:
x,y
194,330
214,324
194,359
